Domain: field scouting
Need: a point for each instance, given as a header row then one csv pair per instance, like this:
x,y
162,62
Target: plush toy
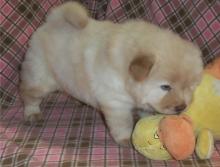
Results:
x,y
205,110
146,140
164,137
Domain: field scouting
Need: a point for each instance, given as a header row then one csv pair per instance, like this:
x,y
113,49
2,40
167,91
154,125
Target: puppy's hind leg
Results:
x,y
36,83
32,97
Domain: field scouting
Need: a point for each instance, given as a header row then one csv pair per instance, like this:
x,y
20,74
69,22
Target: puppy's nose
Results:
x,y
180,108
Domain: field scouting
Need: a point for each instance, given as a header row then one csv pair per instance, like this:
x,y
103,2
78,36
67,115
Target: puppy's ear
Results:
x,y
140,67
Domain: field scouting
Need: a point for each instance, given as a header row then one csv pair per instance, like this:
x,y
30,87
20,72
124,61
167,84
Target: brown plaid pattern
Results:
x,y
73,134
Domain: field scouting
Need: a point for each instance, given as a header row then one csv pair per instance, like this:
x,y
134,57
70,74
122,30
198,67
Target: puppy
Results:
x,y
113,67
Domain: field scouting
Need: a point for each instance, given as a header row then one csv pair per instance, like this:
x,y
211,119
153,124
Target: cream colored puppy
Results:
x,y
113,67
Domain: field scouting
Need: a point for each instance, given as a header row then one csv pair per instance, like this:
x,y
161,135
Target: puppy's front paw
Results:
x,y
122,138
120,123
125,142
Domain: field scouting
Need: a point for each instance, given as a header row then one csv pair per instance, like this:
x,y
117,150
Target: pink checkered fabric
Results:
x,y
73,134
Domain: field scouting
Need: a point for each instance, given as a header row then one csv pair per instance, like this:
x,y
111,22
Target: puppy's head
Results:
x,y
160,69
165,86
163,69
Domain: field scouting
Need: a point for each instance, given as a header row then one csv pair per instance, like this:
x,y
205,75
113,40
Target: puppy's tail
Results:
x,y
71,12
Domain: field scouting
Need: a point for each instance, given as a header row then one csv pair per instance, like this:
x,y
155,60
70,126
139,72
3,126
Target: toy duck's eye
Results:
x,y
162,148
156,136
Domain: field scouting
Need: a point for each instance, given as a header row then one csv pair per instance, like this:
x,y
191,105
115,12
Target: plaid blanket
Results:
x,y
73,134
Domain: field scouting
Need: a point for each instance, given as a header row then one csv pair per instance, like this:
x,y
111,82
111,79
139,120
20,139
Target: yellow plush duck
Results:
x,y
205,110
155,137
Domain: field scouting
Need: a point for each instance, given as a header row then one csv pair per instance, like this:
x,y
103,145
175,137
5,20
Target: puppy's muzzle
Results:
x,y
178,109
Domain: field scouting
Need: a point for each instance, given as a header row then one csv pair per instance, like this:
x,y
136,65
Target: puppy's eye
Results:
x,y
166,87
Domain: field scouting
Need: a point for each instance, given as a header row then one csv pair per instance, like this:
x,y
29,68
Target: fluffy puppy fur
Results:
x,y
113,67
